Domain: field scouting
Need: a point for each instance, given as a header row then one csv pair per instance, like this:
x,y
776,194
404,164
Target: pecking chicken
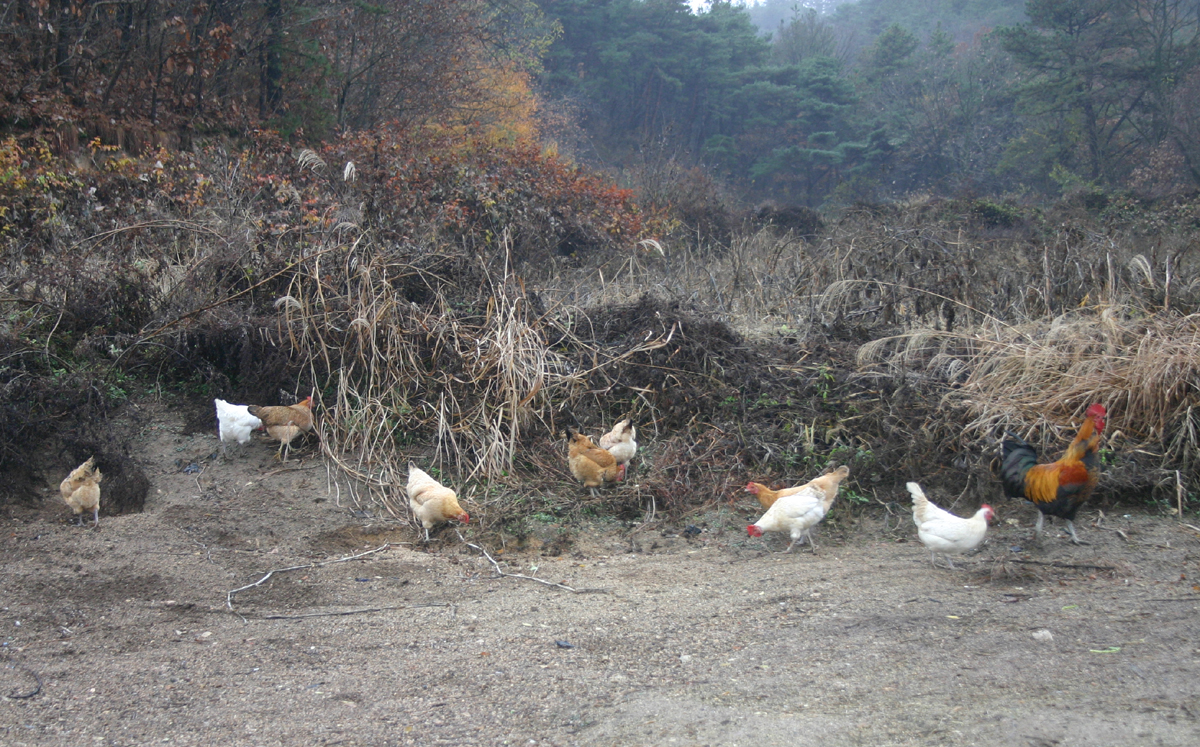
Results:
x,y
798,512
1058,488
590,464
234,423
81,491
943,532
285,422
621,442
432,502
767,497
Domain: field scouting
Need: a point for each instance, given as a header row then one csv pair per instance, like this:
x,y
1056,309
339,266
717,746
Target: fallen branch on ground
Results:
x,y
261,581
1063,565
502,574
353,612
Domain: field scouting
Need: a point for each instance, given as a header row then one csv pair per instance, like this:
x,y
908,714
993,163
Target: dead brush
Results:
x,y
1040,376
472,374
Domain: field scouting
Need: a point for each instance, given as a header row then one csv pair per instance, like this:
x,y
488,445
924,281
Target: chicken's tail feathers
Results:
x,y
1016,459
920,502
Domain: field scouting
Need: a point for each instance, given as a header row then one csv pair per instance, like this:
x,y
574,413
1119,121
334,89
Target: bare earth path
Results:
x,y
706,640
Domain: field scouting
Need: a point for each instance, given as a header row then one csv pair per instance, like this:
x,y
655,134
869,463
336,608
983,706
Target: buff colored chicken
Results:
x,y
432,502
798,512
590,464
285,422
81,491
943,532
621,442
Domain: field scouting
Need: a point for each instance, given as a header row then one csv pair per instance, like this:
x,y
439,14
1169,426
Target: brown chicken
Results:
x,y
432,502
284,422
590,464
1058,488
81,491
767,497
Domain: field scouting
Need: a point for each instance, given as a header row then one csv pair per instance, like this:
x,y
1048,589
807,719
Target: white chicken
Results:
x,y
943,532
234,423
621,442
797,513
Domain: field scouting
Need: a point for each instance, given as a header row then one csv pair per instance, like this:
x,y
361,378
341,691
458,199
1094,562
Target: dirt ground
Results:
x,y
125,635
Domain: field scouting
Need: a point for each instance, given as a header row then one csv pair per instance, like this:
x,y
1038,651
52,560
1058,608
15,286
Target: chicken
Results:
x,y
767,497
590,464
81,491
798,512
1058,488
621,442
234,423
432,502
943,532
284,422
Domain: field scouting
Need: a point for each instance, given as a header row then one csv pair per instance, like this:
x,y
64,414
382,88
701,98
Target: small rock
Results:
x,y
1043,635
564,644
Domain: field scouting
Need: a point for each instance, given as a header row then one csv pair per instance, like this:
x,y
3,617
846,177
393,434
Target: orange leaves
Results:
x,y
480,188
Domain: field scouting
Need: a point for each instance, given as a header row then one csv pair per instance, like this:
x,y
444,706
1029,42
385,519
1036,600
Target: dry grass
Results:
x,y
1043,375
735,358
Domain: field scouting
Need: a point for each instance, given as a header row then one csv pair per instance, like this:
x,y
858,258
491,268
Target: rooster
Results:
x,y
621,442
431,502
799,511
234,423
81,491
1061,487
943,532
285,422
590,464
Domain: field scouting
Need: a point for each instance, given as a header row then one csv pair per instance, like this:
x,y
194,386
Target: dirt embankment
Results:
x,y
123,636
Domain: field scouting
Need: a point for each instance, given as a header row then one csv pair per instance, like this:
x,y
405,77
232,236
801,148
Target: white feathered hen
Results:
x,y
621,441
943,532
432,502
234,423
797,513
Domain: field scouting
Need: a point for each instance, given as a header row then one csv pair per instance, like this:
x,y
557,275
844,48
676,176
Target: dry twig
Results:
x,y
502,574
269,574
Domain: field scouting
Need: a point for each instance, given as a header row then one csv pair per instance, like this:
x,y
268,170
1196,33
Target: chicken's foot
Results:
x,y
1075,537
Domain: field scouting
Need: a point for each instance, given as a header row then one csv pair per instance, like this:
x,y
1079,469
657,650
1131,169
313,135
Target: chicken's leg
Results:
x,y
1037,530
95,517
1074,537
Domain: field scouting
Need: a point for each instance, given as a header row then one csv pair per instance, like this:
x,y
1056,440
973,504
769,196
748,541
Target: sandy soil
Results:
x,y
127,638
